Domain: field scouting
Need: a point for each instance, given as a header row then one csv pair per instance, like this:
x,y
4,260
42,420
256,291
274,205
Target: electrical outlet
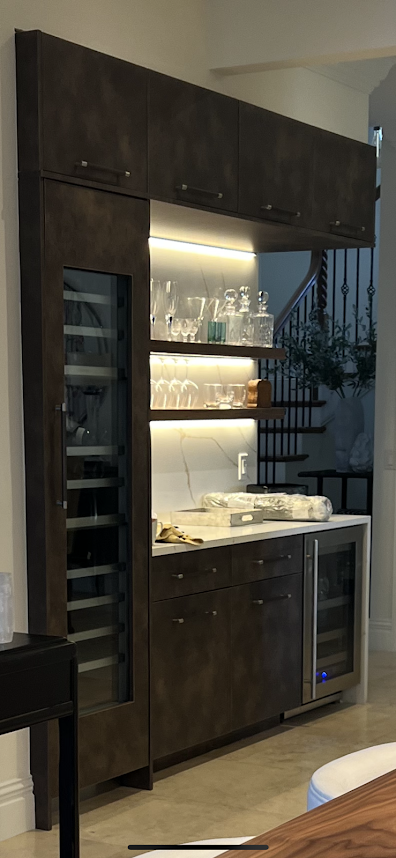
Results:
x,y
242,465
390,460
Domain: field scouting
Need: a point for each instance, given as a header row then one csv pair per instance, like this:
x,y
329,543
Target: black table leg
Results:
x,y
319,487
69,838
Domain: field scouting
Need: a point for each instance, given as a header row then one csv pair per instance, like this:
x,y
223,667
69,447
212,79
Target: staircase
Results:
x,y
336,282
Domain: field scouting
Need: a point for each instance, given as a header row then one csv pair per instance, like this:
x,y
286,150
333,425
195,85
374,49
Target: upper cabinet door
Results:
x,y
275,166
344,186
193,144
94,115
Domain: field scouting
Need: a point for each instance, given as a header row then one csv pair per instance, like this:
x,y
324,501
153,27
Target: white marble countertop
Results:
x,y
216,536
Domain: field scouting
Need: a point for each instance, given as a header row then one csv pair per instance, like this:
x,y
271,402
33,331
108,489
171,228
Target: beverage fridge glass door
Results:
x,y
97,485
332,611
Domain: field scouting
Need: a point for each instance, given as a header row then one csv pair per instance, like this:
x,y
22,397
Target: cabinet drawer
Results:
x,y
266,619
190,572
191,684
267,559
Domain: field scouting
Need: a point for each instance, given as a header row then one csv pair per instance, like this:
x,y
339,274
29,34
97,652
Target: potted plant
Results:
x,y
321,352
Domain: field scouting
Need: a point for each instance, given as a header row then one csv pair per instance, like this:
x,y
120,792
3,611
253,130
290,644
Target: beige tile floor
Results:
x,y
244,789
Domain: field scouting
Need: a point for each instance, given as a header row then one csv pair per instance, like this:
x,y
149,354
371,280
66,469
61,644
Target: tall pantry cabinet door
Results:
x,y
94,398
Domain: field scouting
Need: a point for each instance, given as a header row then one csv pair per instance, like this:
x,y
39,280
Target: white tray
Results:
x,y
204,517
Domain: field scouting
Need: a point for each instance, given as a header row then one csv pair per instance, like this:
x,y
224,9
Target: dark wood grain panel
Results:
x,y
344,186
94,108
190,572
275,167
190,671
193,141
359,824
267,558
266,658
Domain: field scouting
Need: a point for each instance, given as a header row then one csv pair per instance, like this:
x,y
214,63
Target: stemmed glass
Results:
x,y
170,299
155,293
175,386
161,395
189,391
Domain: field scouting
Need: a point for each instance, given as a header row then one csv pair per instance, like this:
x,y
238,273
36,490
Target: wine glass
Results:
x,y
161,396
155,293
170,297
174,390
175,329
186,325
189,391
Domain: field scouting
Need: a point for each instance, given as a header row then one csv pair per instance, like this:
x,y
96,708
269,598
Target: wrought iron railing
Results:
x,y
339,284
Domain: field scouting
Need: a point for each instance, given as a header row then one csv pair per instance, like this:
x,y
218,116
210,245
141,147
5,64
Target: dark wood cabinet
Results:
x,y
344,187
268,558
84,271
193,144
275,167
266,619
191,688
91,109
191,572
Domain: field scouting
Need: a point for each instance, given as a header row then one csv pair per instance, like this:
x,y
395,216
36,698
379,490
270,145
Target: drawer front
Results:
x,y
270,558
191,572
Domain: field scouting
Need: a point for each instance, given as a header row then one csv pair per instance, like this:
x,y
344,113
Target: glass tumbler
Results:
x,y
211,393
6,608
238,392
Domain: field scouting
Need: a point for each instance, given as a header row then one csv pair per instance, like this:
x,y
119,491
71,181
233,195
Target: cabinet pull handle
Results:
x,y
214,570
179,575
211,613
272,559
62,411
271,208
348,225
179,620
274,599
217,194
88,164
315,615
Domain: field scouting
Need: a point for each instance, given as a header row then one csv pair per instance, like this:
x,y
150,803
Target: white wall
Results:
x,y
305,95
258,34
383,591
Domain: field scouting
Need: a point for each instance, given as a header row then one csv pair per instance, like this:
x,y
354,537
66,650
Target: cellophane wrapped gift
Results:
x,y
275,507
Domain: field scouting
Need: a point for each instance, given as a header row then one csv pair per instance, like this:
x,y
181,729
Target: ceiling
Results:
x,y
362,75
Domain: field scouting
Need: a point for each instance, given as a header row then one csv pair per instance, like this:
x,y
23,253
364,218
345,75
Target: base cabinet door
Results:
x,y
191,671
266,621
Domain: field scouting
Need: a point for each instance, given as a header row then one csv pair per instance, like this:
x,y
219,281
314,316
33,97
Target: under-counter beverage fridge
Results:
x,y
332,611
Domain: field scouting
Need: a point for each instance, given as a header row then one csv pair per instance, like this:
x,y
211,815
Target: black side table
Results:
x,y
38,682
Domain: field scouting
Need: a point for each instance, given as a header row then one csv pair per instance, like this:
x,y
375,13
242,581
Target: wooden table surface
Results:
x,y
359,824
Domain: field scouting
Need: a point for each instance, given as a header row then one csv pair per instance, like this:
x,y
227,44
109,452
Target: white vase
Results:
x,y
349,423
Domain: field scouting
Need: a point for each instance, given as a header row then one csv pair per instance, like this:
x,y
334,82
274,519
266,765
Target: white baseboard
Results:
x,y
381,635
16,807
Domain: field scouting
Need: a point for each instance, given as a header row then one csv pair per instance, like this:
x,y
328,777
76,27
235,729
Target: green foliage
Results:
x,y
320,352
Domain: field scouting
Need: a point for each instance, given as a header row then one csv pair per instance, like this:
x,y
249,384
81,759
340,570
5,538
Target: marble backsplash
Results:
x,y
192,458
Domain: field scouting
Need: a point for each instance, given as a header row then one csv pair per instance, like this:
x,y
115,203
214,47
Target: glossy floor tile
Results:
x,y
244,789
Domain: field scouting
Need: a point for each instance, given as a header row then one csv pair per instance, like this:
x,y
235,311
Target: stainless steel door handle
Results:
x,y
178,620
315,614
62,411
178,575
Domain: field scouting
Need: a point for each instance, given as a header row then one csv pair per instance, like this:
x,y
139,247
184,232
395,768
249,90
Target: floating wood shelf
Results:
x,y
217,414
215,350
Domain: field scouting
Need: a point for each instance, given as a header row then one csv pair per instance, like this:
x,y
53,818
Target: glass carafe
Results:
x,y
263,323
246,338
232,318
